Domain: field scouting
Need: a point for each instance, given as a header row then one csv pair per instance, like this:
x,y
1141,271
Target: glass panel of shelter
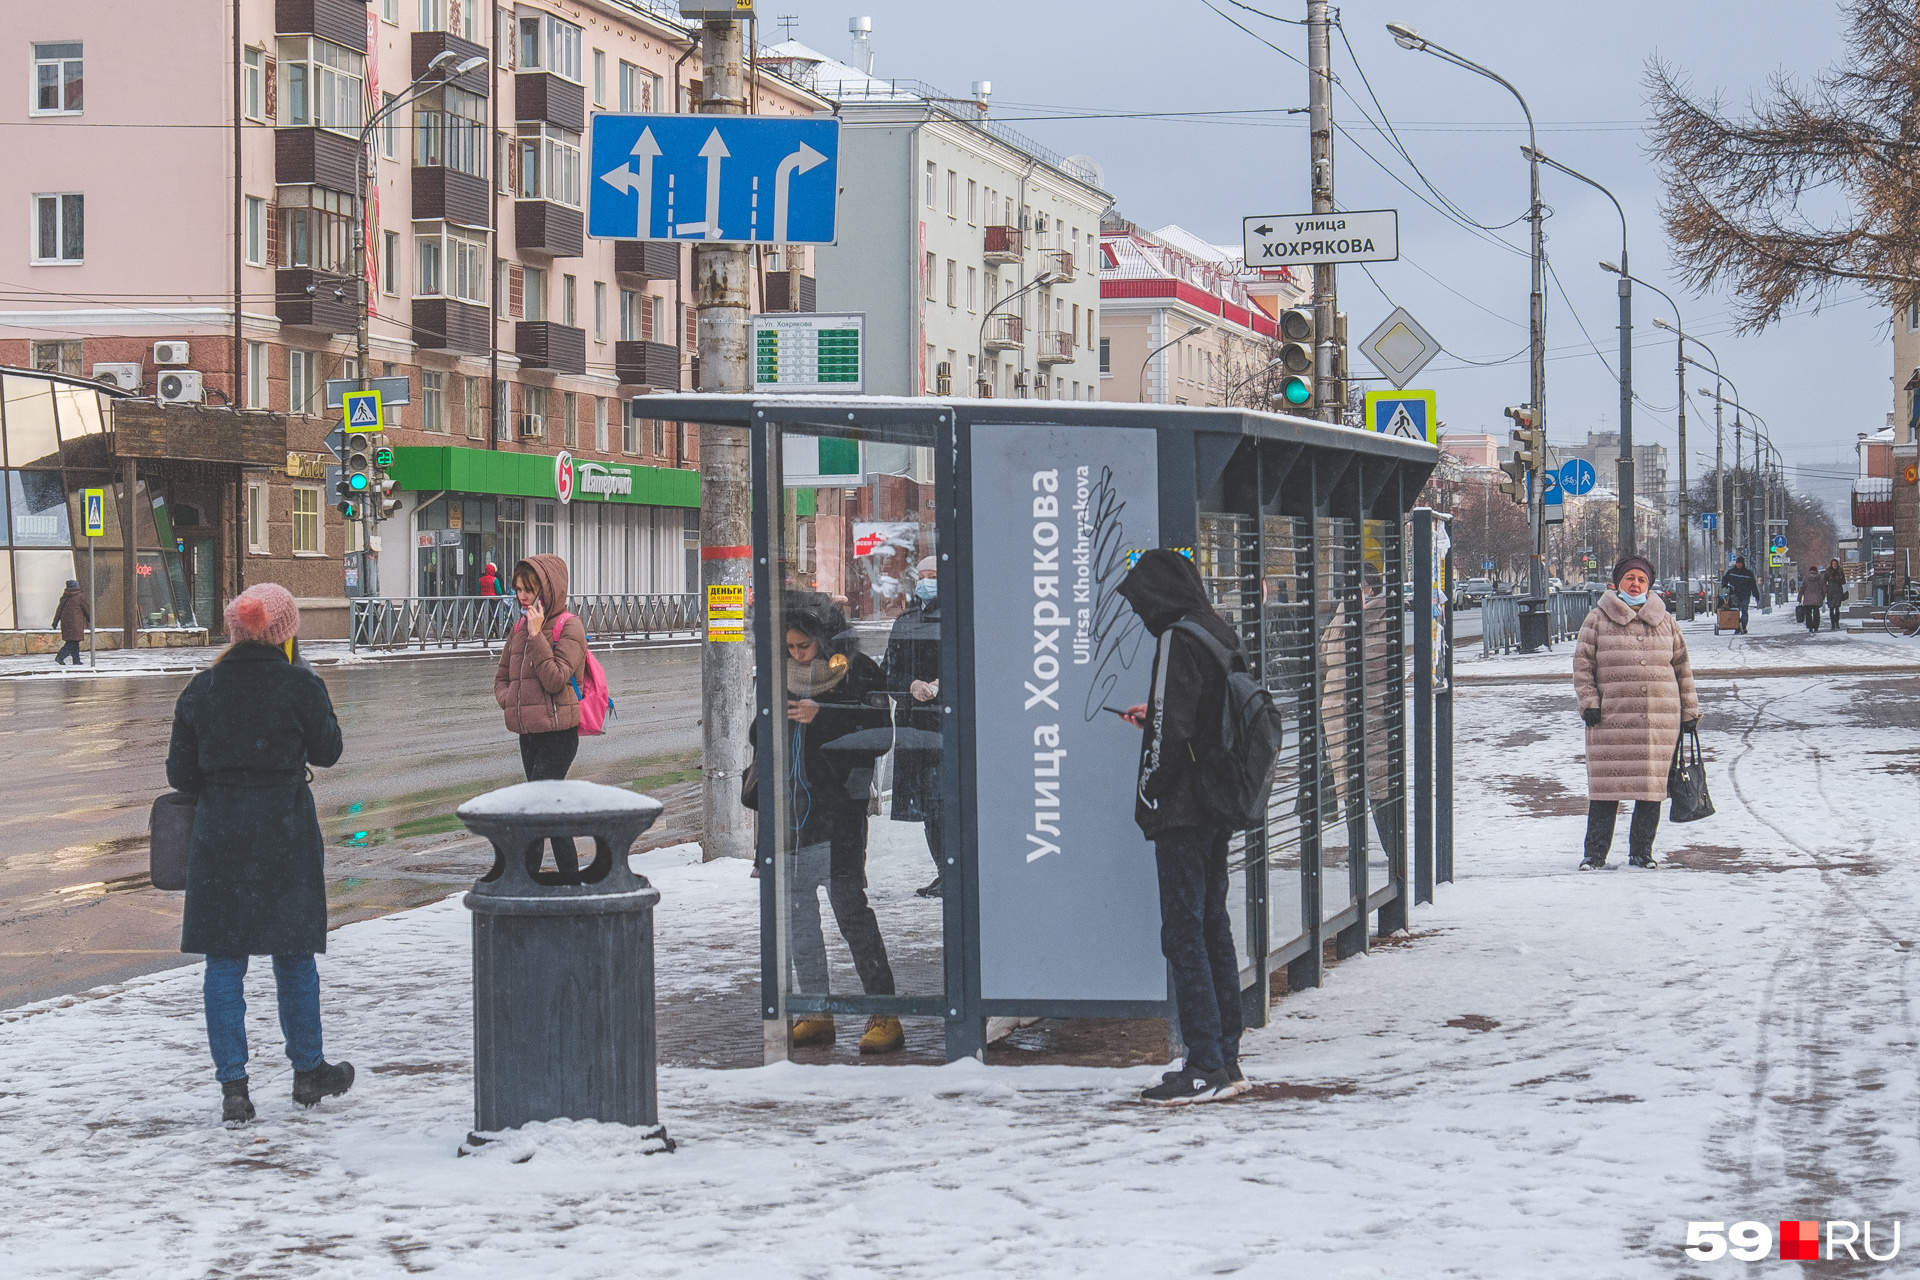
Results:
x,y
855,777
1342,817
1383,582
1287,659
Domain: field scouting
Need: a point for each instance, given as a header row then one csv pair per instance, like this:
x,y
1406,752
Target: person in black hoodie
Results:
x,y
1189,840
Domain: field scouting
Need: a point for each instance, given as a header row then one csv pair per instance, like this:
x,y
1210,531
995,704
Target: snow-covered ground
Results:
x,y
1550,1077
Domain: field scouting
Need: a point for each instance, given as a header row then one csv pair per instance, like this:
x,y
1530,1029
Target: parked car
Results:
x,y
1472,593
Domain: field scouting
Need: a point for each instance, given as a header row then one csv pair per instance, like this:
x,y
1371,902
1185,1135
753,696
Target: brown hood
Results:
x,y
551,573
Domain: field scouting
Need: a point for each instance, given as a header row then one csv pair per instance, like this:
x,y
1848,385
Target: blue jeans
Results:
x,y
1196,937
297,983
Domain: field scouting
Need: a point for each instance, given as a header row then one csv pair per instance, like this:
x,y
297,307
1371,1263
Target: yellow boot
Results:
x,y
883,1035
815,1028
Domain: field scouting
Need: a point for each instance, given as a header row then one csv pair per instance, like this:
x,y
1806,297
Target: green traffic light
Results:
x,y
1296,391
357,481
383,457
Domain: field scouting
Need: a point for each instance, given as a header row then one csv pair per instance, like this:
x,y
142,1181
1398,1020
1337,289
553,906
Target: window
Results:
x,y
433,15
316,229
502,408
257,517
450,129
390,11
931,173
630,431
953,194
450,262
433,401
1076,324
927,268
599,311
599,424
973,289
569,433
1913,316
476,407
57,357
599,78
629,316
252,83
972,201
639,90
659,439
953,283
550,164
256,375
57,79
536,286
390,263
543,528
256,231
1106,355
321,84
60,225
301,388
386,126
306,521
548,44
570,301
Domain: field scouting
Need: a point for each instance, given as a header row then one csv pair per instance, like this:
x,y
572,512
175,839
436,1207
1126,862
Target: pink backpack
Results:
x,y
590,687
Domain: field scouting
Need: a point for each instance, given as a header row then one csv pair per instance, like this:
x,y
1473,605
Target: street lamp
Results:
x,y
1408,38
1680,371
1040,281
1147,363
1627,488
1241,382
1719,442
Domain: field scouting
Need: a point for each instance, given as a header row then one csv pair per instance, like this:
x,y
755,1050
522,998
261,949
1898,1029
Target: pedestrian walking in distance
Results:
x,y
1189,840
1836,579
490,579
244,733
535,682
1813,593
1635,684
73,618
1740,587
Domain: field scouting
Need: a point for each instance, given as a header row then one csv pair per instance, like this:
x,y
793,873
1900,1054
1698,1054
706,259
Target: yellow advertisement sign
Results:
x,y
726,612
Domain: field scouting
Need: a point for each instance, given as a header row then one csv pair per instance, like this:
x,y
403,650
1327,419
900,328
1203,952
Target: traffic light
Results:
x,y
1296,359
359,458
382,453
347,507
1515,485
386,504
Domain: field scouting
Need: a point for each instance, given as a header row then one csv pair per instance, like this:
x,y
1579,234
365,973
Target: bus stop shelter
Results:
x,y
1014,773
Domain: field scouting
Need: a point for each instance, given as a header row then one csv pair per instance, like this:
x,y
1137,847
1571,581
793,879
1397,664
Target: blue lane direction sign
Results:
x,y
734,178
1578,477
1709,519
1553,507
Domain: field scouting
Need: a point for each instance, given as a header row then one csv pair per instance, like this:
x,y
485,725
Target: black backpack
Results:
x,y
1236,770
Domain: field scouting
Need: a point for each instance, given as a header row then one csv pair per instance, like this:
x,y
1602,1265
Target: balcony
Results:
x,y
645,260
341,21
1058,262
541,226
776,292
427,45
1005,244
1053,346
541,95
447,324
1873,503
647,364
314,157
557,348
443,193
1005,333
316,300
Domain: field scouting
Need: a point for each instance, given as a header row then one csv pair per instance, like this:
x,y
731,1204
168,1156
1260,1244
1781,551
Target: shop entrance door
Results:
x,y
203,587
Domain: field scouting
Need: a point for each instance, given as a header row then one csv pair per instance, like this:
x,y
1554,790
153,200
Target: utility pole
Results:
x,y
1325,289
722,280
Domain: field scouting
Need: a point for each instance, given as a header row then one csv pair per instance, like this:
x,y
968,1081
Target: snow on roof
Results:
x,y
832,77
542,799
1175,253
1186,242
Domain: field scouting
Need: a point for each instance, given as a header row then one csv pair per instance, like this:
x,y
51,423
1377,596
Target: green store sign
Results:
x,y
430,468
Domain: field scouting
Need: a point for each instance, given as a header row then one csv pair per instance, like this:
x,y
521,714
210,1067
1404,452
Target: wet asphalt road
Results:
x,y
82,759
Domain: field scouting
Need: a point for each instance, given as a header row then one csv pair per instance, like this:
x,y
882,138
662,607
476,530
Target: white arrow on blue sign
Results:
x,y
1578,477
735,178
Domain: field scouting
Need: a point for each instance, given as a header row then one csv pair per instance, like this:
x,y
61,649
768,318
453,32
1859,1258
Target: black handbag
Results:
x,y
1687,781
169,833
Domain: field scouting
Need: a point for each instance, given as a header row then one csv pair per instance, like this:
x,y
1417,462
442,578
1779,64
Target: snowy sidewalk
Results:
x,y
321,653
1550,1077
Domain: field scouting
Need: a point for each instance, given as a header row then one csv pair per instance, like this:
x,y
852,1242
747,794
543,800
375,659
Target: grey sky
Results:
x,y
1817,379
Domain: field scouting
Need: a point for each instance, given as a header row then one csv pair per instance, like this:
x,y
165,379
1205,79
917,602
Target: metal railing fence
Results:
x,y
1566,610
1500,625
400,622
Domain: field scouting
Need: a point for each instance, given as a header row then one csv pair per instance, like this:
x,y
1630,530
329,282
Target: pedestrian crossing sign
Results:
x,y
1408,414
363,410
96,501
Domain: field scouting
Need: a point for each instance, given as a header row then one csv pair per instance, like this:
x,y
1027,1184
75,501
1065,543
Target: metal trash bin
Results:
x,y
563,1018
1534,623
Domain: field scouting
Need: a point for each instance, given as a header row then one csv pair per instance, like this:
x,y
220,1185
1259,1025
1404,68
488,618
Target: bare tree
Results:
x,y
1848,144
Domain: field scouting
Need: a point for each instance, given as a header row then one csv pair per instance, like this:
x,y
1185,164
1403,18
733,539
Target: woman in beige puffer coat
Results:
x,y
1635,683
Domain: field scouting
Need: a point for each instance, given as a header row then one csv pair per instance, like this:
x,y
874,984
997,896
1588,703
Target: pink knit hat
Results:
x,y
264,614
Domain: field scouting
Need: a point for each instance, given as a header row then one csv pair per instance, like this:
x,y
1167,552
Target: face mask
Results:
x,y
927,588
1639,599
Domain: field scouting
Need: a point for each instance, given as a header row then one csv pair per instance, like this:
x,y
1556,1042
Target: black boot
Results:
x,y
236,1108
324,1081
1646,821
1601,815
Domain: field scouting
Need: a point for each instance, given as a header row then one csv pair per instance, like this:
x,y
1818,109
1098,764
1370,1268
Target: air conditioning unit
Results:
x,y
124,374
170,353
181,386
532,426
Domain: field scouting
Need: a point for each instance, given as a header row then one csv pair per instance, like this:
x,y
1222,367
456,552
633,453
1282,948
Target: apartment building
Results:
x,y
1185,322
190,211
971,250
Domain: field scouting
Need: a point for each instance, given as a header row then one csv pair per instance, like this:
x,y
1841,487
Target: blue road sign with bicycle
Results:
x,y
1577,477
735,178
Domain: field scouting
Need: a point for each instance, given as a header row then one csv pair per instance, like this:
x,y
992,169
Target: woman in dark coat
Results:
x,y
1836,579
244,732
73,618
